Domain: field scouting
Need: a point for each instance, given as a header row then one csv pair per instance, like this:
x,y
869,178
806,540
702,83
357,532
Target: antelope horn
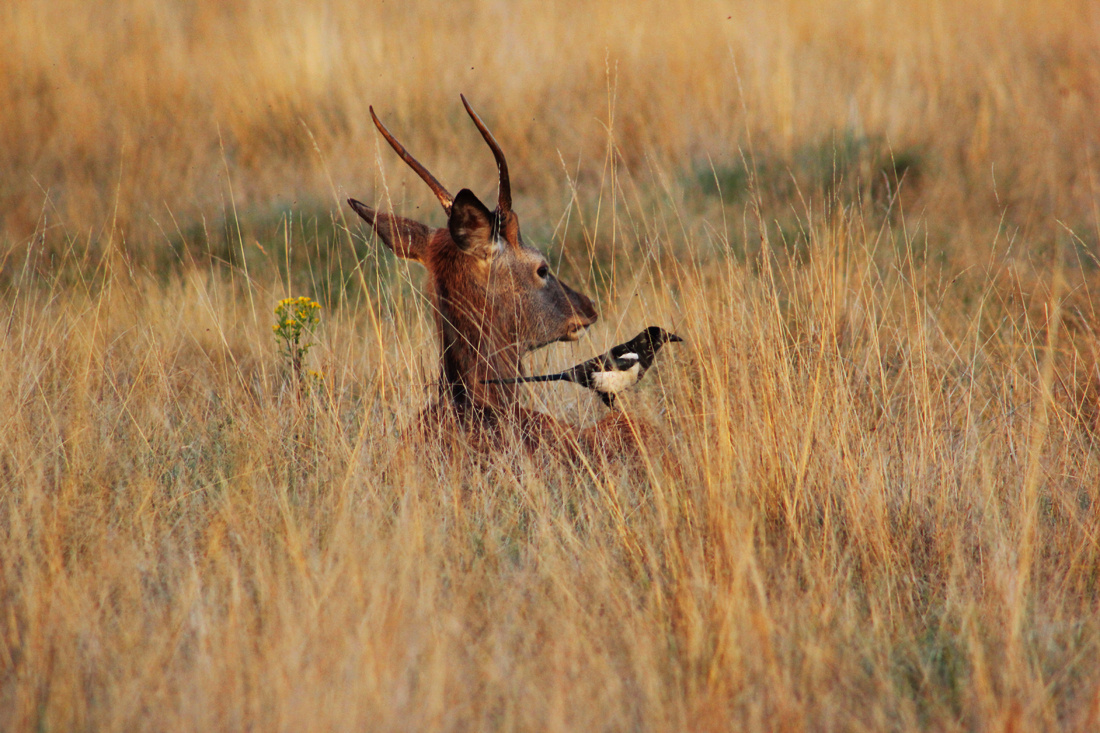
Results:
x,y
441,193
504,200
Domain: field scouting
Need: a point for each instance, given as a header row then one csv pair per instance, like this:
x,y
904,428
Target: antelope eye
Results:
x,y
543,271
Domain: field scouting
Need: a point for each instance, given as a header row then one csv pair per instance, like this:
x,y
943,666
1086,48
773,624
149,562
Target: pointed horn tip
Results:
x,y
442,194
504,198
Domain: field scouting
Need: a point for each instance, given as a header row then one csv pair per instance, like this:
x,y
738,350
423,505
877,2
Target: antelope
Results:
x,y
494,297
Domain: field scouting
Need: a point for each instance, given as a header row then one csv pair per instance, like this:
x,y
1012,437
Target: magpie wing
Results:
x,y
622,362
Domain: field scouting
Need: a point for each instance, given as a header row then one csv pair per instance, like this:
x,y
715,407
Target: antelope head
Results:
x,y
494,296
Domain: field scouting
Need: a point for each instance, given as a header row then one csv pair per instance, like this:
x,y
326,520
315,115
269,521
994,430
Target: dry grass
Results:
x,y
883,514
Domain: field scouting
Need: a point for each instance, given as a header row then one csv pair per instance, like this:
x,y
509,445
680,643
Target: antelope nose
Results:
x,y
583,315
586,309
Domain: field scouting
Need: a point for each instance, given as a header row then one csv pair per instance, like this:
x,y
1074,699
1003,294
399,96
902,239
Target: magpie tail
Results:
x,y
540,378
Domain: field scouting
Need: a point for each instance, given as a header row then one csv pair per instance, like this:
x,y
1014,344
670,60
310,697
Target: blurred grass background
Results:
x,y
132,114
875,223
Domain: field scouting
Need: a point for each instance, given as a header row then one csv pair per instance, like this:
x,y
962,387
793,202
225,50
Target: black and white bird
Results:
x,y
609,374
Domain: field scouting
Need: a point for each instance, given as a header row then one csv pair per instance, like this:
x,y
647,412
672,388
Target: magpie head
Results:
x,y
657,337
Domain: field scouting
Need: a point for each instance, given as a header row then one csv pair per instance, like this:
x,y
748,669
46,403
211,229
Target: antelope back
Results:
x,y
495,297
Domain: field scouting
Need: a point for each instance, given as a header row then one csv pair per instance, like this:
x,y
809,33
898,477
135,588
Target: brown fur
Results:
x,y
494,300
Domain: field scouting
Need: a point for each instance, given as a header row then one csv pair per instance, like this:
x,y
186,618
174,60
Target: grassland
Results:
x,y
875,225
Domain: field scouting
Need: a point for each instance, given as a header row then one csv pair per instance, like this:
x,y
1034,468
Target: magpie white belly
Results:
x,y
615,382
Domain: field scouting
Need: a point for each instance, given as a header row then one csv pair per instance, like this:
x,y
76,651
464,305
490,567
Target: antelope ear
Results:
x,y
405,238
471,225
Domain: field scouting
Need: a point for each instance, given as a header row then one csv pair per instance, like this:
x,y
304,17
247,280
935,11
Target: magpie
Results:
x,y
610,373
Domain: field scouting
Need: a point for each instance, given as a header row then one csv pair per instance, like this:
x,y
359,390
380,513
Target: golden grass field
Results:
x,y
876,225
